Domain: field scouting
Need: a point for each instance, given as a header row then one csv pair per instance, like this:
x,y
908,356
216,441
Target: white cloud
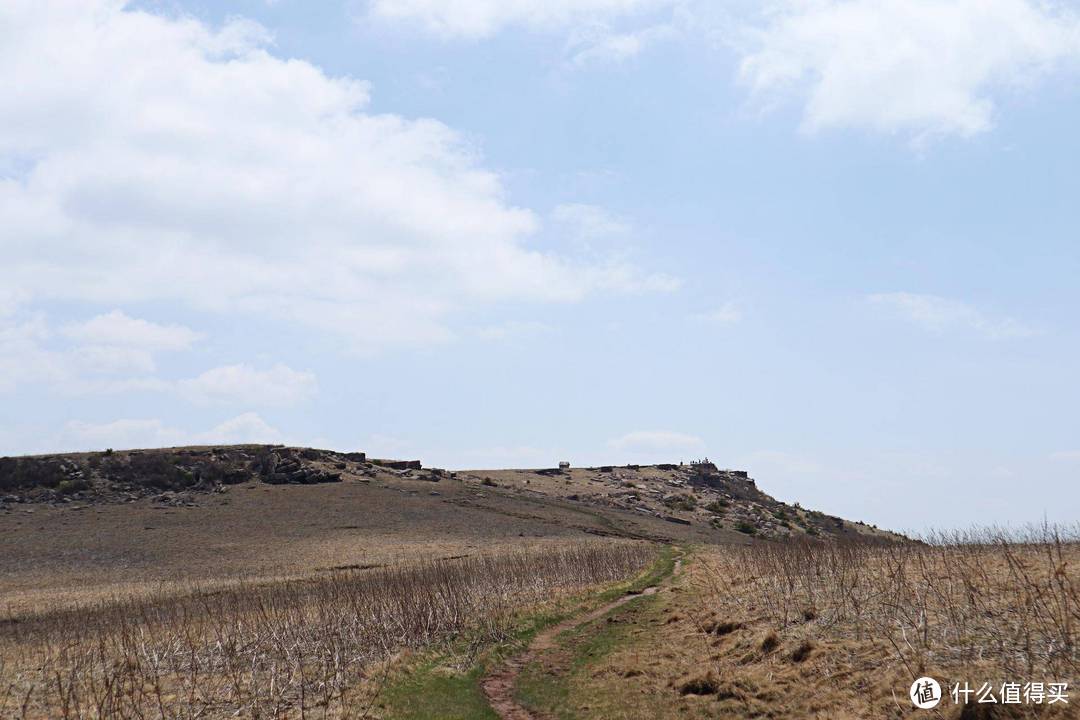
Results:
x,y
603,236
30,356
1066,456
173,163
727,314
120,434
23,359
246,428
118,330
483,18
113,360
924,67
151,433
589,222
600,44
940,315
514,330
277,386
9,302
653,442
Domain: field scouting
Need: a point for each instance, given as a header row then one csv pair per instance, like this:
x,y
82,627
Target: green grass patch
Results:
x,y
434,690
431,692
663,566
549,684
718,506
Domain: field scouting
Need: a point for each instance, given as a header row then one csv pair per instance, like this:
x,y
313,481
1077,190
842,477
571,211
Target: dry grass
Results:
x,y
62,556
1006,601
291,649
839,632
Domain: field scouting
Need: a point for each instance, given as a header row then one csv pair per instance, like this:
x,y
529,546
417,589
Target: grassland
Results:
x,y
829,631
395,593
59,555
90,526
455,681
288,649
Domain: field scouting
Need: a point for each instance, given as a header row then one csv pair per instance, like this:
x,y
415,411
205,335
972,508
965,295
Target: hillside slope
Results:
x,y
80,526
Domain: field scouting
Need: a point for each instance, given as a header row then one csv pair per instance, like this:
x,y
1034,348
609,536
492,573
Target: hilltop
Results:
x,y
81,525
697,495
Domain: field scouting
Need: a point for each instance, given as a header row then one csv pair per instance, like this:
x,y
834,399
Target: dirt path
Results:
x,y
498,685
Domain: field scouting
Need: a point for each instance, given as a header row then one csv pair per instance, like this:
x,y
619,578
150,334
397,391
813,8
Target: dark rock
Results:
x,y
399,464
235,477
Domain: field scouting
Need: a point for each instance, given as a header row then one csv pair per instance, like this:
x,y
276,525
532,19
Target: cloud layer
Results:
x,y
141,433
114,353
483,18
155,159
940,315
924,67
118,330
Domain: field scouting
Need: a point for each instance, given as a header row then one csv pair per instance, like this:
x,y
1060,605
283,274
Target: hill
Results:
x,y
84,525
638,591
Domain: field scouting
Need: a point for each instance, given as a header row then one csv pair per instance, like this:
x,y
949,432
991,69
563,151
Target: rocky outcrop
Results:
x,y
296,466
119,476
398,464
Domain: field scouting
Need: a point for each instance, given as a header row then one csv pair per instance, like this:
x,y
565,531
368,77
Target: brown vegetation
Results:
x,y
294,648
839,631
1007,601
77,552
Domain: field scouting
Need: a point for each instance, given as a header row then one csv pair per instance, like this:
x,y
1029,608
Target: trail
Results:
x,y
498,685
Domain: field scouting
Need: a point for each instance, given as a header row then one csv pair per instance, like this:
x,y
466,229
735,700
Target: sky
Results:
x,y
829,242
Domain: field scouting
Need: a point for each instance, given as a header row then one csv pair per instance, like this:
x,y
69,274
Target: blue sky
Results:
x,y
829,242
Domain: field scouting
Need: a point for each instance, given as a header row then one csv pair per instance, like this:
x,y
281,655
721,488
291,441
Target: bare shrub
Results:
x,y
1005,599
288,649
